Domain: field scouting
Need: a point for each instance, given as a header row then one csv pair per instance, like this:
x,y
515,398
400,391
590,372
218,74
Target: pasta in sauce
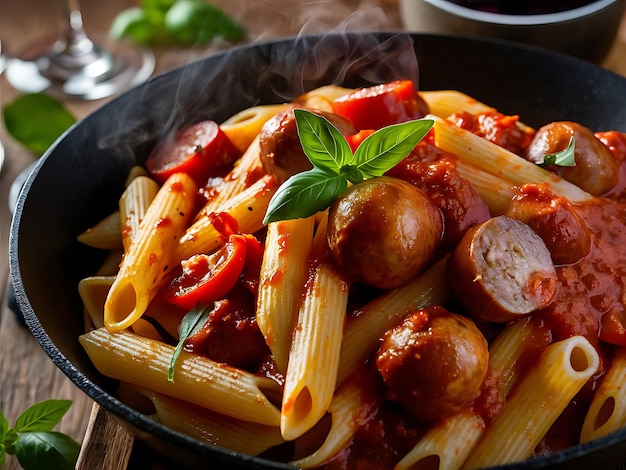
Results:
x,y
298,361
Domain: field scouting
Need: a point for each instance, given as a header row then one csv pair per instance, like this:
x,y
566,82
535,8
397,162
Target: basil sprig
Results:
x,y
33,441
189,325
563,158
334,164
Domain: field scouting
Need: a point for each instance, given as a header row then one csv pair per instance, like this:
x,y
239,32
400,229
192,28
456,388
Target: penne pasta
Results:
x,y
133,206
607,412
247,209
149,256
106,234
242,128
351,407
444,103
322,98
446,445
283,274
93,292
144,362
214,428
533,406
241,177
314,357
500,162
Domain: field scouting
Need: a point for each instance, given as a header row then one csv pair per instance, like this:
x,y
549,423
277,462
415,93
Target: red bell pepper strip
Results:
x,y
201,150
206,278
381,105
613,328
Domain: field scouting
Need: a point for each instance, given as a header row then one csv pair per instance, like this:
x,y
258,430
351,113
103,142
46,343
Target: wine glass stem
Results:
x,y
77,50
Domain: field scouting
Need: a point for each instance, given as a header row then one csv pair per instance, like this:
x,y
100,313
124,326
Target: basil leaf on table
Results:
x,y
34,443
45,449
179,22
42,416
36,121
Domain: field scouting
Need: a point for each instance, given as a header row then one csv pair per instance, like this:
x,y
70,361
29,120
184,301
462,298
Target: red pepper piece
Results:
x,y
381,105
613,328
206,278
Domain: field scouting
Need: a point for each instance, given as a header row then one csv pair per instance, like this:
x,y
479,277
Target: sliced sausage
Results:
x,y
501,270
281,151
596,170
383,232
433,363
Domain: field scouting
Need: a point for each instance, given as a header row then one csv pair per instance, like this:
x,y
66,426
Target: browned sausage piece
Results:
x,y
383,231
433,363
596,170
501,270
281,151
555,220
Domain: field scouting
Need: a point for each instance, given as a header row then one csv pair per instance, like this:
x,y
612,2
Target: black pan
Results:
x,y
81,176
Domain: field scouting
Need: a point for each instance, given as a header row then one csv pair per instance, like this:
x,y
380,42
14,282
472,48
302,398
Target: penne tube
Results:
x,y
498,161
312,369
607,412
144,362
135,172
283,273
105,235
149,256
93,292
446,445
492,189
322,98
444,103
243,127
537,401
351,408
234,434
247,208
133,206
243,174
363,332
512,345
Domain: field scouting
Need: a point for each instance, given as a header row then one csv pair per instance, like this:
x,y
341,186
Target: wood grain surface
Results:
x,y
27,375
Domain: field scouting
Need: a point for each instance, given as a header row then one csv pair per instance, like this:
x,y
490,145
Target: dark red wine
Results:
x,y
522,7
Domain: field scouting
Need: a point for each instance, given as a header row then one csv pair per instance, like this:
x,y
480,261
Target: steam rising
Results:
x,y
329,42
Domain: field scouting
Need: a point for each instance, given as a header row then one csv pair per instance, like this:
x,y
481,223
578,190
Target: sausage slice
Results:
x,y
501,270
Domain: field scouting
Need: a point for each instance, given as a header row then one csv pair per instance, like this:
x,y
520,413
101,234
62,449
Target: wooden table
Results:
x,y
27,375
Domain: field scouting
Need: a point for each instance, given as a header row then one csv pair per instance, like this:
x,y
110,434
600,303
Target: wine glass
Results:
x,y
77,67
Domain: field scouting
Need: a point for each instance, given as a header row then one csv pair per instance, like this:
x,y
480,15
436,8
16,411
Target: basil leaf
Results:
x,y
135,23
4,427
563,158
195,22
36,121
304,194
189,325
322,142
43,416
49,450
386,147
3,456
